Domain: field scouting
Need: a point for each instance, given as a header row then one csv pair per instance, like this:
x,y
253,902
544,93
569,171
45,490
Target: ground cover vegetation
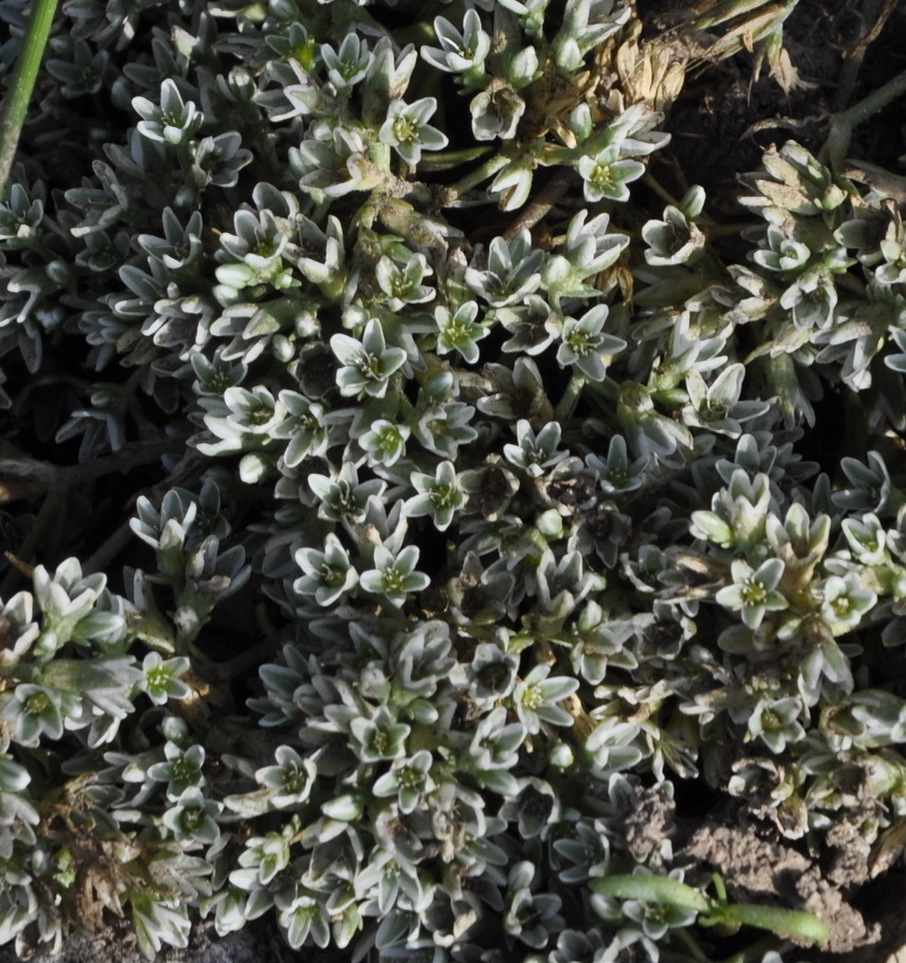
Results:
x,y
432,518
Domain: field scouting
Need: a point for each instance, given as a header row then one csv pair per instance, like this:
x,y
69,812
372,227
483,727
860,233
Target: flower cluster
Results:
x,y
469,536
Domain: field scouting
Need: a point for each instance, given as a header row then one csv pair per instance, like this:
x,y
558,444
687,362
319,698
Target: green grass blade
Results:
x,y
15,105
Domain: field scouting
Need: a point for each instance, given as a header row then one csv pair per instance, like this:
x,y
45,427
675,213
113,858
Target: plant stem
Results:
x,y
486,170
15,105
241,664
444,160
567,404
853,58
541,204
875,101
659,189
842,125
24,477
109,550
728,230
124,460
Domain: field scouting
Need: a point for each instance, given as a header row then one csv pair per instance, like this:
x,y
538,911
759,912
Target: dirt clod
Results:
x,y
758,870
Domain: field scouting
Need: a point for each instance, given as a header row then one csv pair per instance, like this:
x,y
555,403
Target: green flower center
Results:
x,y
192,820
157,680
389,439
333,577
266,248
444,496
38,704
309,424
580,343
344,501
409,778
771,721
533,697
405,130
455,332
183,771
715,411
218,381
369,365
602,178
393,581
260,416
842,605
295,780
401,287
753,592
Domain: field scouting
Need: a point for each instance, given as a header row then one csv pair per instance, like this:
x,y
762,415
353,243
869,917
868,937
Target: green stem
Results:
x,y
842,125
241,664
875,101
541,205
659,189
102,556
488,169
15,105
444,160
567,403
